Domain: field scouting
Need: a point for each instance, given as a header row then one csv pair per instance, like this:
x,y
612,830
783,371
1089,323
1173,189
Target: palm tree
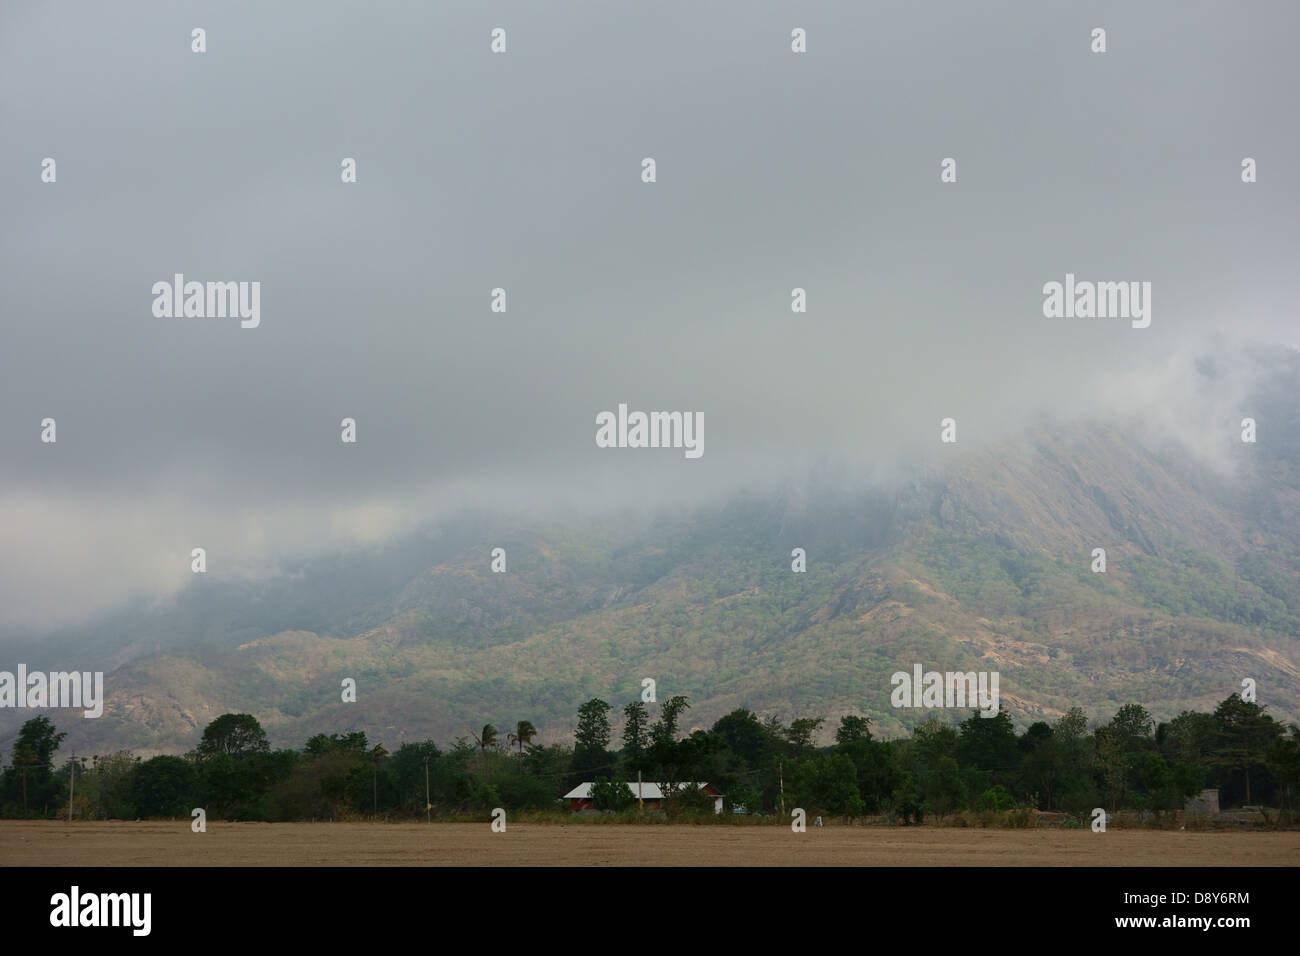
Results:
x,y
489,739
524,734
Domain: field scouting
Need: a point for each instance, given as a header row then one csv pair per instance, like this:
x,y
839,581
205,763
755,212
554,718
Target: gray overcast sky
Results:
x,y
522,170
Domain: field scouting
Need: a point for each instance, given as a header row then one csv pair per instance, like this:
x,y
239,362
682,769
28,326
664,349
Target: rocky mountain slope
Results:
x,y
983,564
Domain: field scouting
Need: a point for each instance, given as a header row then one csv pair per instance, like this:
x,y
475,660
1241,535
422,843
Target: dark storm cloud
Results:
x,y
521,171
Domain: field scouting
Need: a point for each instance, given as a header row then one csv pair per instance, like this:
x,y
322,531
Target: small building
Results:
x,y
650,794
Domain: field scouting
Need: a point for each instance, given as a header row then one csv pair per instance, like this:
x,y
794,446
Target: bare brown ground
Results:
x,y
48,843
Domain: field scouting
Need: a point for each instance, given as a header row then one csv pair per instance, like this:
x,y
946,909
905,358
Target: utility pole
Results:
x,y
27,757
640,803
377,755
428,807
99,788
780,774
72,776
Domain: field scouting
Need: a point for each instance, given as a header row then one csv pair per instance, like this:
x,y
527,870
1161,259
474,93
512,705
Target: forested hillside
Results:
x,y
984,564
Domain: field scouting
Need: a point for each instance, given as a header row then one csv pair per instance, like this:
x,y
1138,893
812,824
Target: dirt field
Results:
x,y
466,844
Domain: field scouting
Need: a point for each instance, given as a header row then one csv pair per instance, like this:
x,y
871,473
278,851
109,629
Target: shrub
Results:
x,y
613,795
995,798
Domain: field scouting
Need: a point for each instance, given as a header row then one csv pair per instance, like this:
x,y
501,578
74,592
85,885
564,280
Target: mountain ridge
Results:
x,y
982,563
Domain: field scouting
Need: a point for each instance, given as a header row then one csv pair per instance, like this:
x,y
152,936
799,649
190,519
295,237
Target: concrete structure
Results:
x,y
1206,802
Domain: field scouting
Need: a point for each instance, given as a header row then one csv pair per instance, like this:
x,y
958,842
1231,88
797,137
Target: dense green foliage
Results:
x,y
29,782
991,558
761,766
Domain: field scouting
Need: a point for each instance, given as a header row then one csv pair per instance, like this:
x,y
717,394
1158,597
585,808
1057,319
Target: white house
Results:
x,y
650,794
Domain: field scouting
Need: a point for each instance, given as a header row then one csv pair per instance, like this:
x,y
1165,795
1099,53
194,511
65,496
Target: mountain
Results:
x,y
983,563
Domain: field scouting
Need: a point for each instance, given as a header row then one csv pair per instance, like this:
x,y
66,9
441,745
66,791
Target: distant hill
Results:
x,y
981,565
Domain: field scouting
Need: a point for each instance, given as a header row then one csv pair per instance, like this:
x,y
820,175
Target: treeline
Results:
x,y
762,766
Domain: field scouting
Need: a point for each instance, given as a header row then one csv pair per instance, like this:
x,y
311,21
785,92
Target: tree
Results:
x,y
1245,735
1161,787
410,772
551,762
664,732
853,728
699,756
486,739
1131,728
239,788
325,784
775,733
376,757
800,736
33,763
876,770
687,801
988,744
237,735
1072,726
635,736
839,786
943,788
112,784
665,755
1112,762
591,741
524,733
1189,739
745,737
38,741
1284,761
1037,777
906,801
354,742
163,787
613,795
593,726
1071,754
934,739
996,799
236,769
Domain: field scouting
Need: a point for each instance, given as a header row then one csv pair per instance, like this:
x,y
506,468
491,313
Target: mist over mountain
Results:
x,y
817,171
982,562
815,180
